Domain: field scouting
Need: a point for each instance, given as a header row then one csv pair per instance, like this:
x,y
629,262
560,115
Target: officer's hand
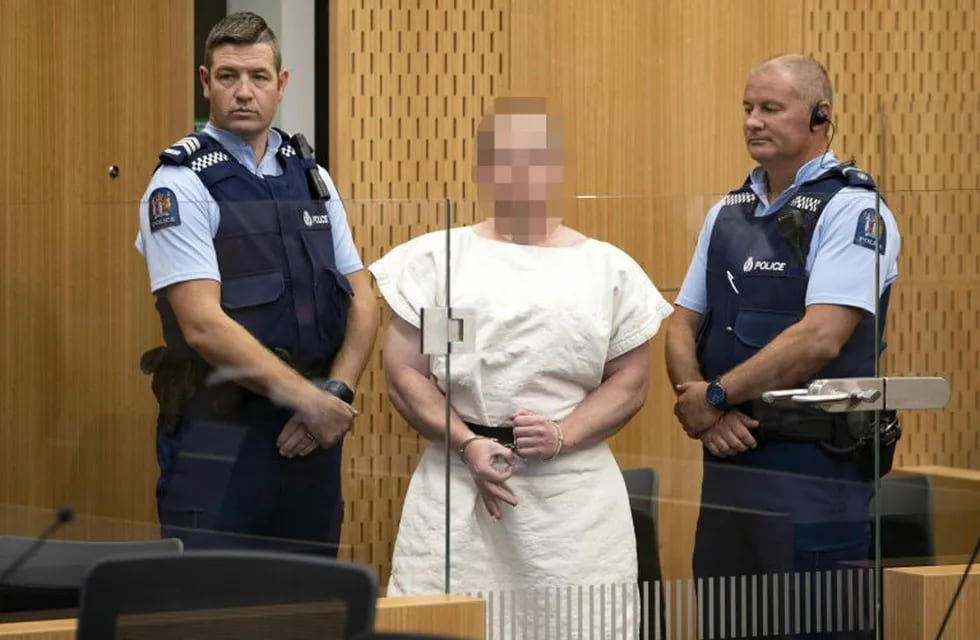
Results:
x,y
693,411
730,435
326,416
295,439
491,464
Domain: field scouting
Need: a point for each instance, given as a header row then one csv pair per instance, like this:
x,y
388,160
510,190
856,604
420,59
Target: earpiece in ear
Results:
x,y
817,117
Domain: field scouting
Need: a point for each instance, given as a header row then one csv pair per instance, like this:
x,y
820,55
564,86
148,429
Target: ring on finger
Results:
x,y
310,436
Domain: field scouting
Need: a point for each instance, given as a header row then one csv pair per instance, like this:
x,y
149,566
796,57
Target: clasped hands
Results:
x,y
491,464
320,421
723,433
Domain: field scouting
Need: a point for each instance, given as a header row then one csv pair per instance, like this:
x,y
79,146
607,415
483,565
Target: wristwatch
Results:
x,y
339,389
716,396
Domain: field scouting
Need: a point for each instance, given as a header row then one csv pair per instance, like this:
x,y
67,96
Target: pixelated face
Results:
x,y
777,120
243,88
519,162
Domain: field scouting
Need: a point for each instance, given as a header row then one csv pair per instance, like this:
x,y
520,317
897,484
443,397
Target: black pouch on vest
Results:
x,y
890,431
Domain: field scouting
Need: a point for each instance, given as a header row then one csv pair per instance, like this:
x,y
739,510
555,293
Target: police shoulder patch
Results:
x,y
163,210
867,232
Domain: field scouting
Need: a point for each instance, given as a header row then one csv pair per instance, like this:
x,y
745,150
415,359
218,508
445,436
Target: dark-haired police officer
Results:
x,y
781,291
268,316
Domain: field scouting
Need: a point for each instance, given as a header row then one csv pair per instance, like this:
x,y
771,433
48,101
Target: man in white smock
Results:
x,y
540,521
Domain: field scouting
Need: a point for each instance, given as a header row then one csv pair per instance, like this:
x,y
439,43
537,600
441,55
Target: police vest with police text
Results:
x,y
756,278
275,253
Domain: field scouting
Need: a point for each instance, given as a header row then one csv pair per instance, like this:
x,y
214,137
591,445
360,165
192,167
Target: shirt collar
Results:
x,y
810,170
240,149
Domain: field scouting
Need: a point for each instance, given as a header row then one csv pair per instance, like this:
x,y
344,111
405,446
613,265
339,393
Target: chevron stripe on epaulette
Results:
x,y
183,147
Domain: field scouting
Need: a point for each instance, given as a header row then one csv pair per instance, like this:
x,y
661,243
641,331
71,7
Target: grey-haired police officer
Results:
x,y
261,292
781,291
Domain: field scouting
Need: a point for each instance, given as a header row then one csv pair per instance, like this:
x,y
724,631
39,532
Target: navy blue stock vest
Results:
x,y
275,253
757,280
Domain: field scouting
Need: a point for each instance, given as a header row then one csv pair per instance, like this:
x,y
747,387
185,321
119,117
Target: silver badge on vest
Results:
x,y
751,264
311,220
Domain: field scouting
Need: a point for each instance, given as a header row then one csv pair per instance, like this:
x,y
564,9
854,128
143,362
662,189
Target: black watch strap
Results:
x,y
339,389
717,396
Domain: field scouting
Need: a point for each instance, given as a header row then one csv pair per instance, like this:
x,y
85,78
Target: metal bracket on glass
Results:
x,y
837,395
448,330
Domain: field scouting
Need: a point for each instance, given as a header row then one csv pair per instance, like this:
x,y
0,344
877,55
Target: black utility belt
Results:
x,y
180,380
810,426
503,435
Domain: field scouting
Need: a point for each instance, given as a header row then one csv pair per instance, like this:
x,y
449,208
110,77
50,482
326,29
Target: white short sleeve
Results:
x,y
843,256
178,221
409,274
638,307
693,292
345,252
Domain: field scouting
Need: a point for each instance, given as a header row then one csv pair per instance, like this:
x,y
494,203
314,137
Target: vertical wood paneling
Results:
x,y
101,84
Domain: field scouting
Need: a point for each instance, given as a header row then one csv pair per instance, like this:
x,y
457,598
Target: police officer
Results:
x,y
268,315
781,291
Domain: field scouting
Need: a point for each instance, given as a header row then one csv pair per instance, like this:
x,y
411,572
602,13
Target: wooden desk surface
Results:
x,y
458,616
938,570
954,473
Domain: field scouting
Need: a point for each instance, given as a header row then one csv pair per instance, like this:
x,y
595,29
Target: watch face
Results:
x,y
716,395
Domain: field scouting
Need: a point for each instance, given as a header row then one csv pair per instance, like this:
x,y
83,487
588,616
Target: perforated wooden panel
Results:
x,y
412,80
906,77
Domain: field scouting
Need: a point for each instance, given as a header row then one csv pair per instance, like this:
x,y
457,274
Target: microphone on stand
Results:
x,y
63,516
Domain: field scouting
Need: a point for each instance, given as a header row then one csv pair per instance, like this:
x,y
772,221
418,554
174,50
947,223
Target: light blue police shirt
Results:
x,y
185,251
840,265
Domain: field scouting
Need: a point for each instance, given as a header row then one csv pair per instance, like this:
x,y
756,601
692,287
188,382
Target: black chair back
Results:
x,y
227,594
643,488
905,503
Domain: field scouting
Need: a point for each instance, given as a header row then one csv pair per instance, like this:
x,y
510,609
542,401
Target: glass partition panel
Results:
x,y
693,537
400,495
209,446
927,507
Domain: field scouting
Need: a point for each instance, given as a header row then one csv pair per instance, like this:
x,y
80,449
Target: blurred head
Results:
x,y
780,96
242,75
519,158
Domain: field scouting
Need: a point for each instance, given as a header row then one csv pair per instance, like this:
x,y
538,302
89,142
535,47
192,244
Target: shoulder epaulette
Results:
x,y
857,177
179,151
196,152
